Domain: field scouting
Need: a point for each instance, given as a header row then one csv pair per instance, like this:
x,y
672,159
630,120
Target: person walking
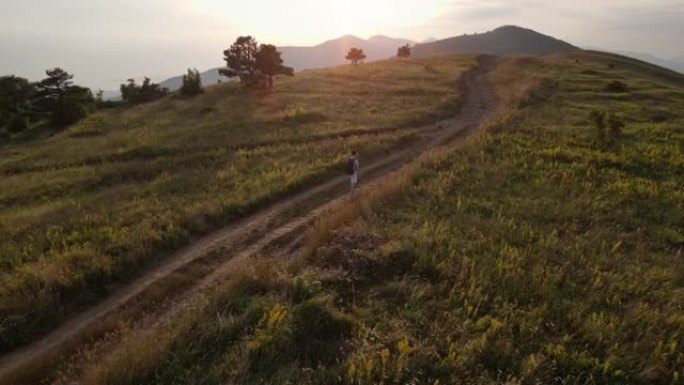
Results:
x,y
352,169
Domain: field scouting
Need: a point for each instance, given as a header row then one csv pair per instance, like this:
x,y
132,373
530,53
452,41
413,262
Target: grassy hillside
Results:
x,y
97,203
541,252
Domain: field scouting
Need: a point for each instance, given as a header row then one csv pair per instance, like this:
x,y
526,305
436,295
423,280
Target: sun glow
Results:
x,y
306,22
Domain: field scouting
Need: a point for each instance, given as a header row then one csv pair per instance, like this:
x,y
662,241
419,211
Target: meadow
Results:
x,y
86,210
540,252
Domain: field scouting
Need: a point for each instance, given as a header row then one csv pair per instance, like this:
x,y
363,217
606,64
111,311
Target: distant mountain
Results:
x,y
327,54
332,52
507,40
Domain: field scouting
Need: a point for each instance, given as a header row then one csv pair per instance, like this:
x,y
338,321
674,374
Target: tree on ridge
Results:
x,y
252,63
269,63
192,83
240,60
404,51
356,56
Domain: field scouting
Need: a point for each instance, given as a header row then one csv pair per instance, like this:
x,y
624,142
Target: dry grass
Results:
x,y
93,206
529,256
511,91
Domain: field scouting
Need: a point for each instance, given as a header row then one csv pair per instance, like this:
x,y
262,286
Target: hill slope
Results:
x,y
109,197
547,251
507,40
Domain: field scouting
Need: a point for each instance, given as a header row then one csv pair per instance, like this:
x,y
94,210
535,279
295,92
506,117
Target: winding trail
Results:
x,y
230,246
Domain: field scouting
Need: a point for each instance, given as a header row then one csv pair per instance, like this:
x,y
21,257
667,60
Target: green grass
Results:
x,y
533,255
94,205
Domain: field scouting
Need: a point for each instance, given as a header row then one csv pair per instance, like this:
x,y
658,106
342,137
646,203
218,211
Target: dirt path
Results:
x,y
244,238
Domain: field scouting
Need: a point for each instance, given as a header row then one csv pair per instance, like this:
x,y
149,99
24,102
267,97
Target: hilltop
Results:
x,y
506,40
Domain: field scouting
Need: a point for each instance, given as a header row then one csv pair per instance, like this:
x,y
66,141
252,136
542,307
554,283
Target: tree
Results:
x,y
75,104
63,101
15,94
52,89
56,83
240,59
268,62
132,93
404,51
356,56
192,83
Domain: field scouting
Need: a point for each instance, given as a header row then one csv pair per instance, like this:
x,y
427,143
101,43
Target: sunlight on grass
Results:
x,y
94,205
533,255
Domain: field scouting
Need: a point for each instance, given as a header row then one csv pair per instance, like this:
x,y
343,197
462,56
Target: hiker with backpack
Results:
x,y
352,169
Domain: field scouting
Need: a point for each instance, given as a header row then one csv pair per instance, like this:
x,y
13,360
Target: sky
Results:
x,y
105,42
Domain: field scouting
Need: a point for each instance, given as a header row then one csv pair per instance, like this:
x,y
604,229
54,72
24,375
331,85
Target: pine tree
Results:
x,y
240,60
63,101
269,63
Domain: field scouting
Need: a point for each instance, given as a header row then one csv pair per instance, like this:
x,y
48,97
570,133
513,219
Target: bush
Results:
x,y
616,86
192,83
132,93
73,106
69,113
17,123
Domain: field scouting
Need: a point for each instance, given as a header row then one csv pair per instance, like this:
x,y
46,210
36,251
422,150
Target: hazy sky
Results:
x,y
106,42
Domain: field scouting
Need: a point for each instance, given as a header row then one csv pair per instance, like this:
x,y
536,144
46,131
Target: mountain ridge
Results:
x,y
326,54
504,40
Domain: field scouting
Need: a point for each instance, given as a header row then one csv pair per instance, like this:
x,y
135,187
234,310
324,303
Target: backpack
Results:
x,y
349,166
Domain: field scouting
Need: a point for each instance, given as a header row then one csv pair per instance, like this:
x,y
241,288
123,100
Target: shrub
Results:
x,y
17,123
132,93
608,126
192,83
404,51
616,86
73,106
